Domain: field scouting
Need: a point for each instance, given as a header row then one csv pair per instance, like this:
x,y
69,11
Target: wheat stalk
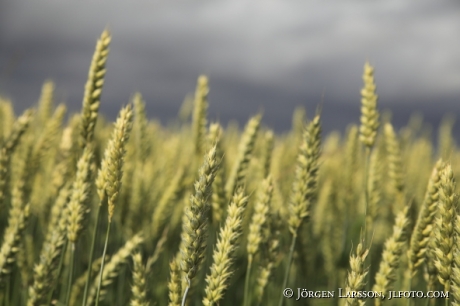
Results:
x,y
112,268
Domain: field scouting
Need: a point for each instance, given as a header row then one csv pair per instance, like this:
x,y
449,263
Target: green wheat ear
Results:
x,y
260,217
306,180
395,168
78,204
199,114
356,279
217,279
425,222
8,147
45,104
139,287
195,221
109,178
392,253
93,88
369,112
444,229
245,149
455,277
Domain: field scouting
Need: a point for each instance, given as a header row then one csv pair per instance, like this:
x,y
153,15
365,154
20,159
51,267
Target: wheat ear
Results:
x,y
394,158
444,229
45,272
109,179
260,217
392,252
424,225
258,222
174,284
455,277
8,147
267,153
93,88
199,114
305,183
19,213
140,128
195,220
139,287
78,207
356,279
7,117
246,146
45,104
219,199
369,112
217,279
304,186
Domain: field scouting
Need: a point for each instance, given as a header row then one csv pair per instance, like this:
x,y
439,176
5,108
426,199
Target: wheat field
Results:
x,y
194,213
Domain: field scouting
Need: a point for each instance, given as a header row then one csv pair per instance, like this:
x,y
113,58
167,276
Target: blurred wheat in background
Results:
x,y
194,213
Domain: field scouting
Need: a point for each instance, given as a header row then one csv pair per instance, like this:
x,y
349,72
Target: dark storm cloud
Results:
x,y
270,55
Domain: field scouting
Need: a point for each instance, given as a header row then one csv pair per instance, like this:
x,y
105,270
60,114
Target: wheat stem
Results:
x,y
98,292
71,268
288,268
91,252
247,297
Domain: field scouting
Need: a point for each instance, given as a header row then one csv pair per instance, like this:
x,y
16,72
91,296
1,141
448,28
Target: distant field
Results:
x,y
135,213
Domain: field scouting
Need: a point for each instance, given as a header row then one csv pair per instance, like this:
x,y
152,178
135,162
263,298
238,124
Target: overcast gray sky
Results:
x,y
274,55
